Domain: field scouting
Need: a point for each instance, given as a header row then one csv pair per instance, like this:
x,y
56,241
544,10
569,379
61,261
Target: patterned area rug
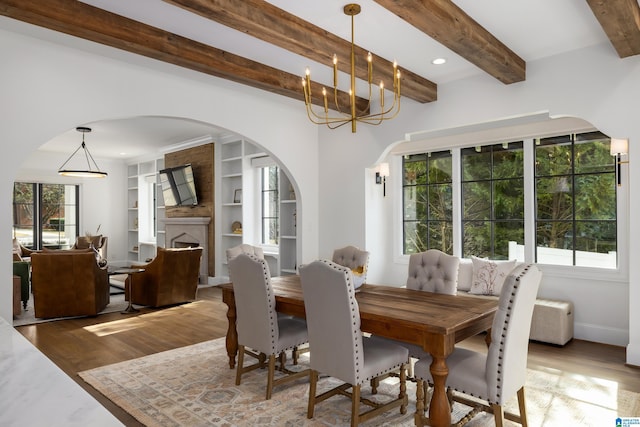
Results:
x,y
193,386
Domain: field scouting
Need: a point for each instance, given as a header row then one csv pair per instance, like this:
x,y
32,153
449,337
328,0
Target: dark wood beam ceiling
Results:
x,y
446,23
269,23
82,20
620,20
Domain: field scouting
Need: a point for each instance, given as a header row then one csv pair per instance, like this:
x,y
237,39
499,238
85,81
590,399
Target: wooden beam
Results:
x,y
267,22
82,20
620,20
445,22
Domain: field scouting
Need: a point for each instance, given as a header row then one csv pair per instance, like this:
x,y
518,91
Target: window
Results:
x,y
45,215
556,194
427,220
492,199
576,201
270,206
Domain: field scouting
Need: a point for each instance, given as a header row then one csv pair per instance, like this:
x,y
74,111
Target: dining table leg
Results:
x,y
232,334
439,408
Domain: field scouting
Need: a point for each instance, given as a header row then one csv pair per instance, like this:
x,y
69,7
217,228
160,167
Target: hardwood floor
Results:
x,y
80,344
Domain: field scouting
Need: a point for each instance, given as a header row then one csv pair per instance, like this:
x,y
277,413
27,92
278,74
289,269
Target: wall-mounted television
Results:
x,y
178,186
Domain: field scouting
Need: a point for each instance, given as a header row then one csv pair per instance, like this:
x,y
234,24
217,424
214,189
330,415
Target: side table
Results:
x,y
130,272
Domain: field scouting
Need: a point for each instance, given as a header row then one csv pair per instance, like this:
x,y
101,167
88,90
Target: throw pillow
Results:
x,y
489,276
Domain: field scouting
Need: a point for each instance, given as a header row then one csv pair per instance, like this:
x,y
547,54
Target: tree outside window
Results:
x,y
45,215
576,200
492,199
427,199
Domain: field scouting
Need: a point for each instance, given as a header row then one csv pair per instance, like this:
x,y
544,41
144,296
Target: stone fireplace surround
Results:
x,y
190,232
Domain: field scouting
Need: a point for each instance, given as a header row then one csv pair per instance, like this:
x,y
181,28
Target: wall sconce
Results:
x,y
619,147
381,177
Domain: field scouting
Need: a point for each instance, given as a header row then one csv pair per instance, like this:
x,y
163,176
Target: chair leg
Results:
x,y
313,381
270,375
355,405
522,407
239,364
498,414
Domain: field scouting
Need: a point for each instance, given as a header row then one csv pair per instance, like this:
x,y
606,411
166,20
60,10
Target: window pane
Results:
x,y
593,156
508,160
553,156
23,213
427,202
596,196
440,202
441,236
476,163
414,240
58,214
476,239
506,232
476,200
509,199
554,197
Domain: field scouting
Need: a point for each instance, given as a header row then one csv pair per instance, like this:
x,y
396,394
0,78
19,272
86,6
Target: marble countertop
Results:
x,y
35,392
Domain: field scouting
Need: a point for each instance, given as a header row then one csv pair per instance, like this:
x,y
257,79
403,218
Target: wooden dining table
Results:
x,y
434,321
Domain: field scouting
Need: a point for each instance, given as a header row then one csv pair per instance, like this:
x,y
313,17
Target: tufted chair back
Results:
x,y
256,321
333,320
433,271
506,368
355,259
244,249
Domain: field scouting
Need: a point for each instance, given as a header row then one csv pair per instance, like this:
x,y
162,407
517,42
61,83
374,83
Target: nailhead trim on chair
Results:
x,y
502,343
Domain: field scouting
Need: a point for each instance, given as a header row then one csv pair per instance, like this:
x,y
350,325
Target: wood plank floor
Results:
x,y
80,344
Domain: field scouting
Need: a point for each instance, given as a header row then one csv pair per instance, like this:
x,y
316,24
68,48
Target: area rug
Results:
x,y
193,386
27,317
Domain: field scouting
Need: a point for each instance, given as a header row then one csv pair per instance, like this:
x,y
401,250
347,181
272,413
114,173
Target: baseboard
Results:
x,y
600,334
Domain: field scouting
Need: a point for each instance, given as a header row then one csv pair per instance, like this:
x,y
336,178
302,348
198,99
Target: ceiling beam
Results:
x,y
269,23
82,20
620,20
449,25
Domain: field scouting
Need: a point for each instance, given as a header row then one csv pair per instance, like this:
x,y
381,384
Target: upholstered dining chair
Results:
x,y
338,347
258,326
244,248
500,373
354,258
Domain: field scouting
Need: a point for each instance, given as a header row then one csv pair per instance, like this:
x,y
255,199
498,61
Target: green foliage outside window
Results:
x,y
427,202
574,198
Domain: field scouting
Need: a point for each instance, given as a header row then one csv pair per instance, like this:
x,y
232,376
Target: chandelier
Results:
x,y
92,170
351,115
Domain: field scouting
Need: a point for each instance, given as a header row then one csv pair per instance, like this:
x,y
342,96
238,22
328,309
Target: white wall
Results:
x,y
48,88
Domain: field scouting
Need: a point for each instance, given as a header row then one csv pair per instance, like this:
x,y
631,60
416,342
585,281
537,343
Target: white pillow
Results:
x,y
489,276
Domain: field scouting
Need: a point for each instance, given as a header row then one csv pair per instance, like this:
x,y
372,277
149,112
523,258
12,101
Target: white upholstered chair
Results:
x,y
354,258
433,271
500,373
244,248
258,326
338,348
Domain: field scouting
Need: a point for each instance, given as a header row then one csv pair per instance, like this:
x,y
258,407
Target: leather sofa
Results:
x,y
68,283
170,278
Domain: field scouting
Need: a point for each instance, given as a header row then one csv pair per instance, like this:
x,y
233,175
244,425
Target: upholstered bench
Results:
x,y
552,320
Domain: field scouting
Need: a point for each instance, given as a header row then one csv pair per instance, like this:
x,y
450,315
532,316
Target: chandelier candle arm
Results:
x,y
353,115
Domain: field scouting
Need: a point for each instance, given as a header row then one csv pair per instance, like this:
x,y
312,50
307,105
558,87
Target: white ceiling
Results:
x,y
533,29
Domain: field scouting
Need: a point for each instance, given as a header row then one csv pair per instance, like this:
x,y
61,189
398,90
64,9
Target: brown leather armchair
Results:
x,y
170,278
68,283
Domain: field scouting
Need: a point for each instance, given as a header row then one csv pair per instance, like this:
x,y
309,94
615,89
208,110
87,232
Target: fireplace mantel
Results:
x,y
193,230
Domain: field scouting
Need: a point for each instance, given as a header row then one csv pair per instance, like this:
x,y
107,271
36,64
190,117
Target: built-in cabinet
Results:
x,y
145,209
239,215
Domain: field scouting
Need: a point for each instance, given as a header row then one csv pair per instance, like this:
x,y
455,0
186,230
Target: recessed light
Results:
x,y
438,61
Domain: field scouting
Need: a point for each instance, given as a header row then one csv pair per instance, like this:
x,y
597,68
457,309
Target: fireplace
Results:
x,y
190,232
